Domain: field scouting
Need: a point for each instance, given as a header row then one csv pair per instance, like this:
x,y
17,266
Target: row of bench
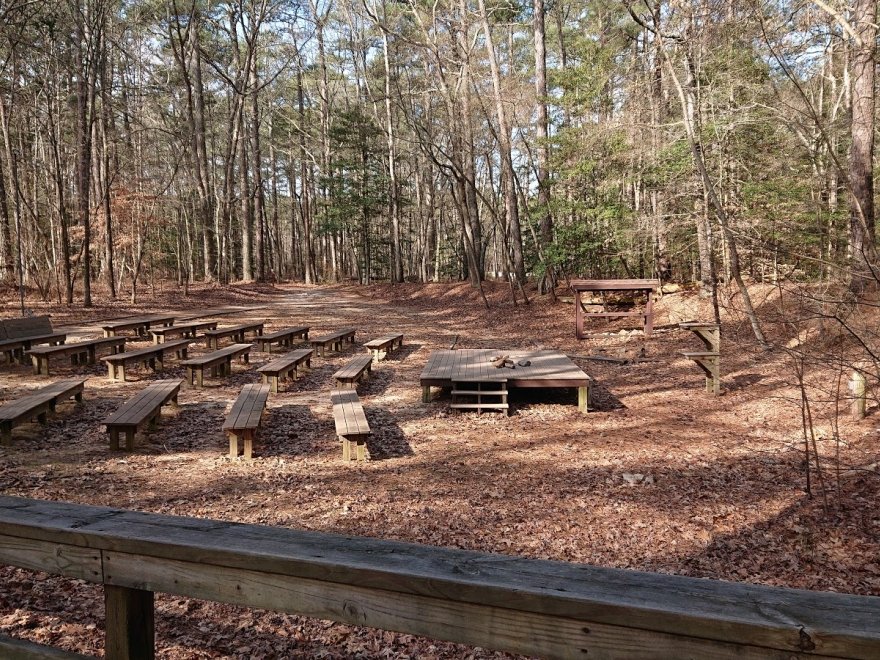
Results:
x,y
244,419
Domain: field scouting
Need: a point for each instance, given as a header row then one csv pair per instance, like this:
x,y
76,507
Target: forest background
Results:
x,y
199,140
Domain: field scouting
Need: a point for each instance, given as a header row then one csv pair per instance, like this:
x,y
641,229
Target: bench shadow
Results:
x,y
400,354
377,383
601,398
287,431
387,440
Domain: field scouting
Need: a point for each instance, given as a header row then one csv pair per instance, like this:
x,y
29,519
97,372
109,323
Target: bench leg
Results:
x,y
426,394
248,444
200,377
346,448
246,358
129,439
78,397
233,444
273,382
584,399
160,363
6,433
130,628
361,450
114,439
111,371
91,354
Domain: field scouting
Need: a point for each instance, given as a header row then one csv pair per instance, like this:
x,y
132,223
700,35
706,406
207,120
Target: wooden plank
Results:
x,y
533,634
20,649
51,557
717,615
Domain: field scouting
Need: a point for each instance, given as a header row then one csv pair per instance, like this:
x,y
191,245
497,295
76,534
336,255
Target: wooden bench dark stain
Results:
x,y
145,406
356,370
20,335
380,347
152,356
283,338
81,352
37,404
219,361
237,332
334,340
189,330
282,368
244,419
352,428
140,324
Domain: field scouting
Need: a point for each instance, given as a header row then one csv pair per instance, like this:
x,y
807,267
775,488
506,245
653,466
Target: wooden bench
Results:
x,y
145,406
352,373
19,335
189,330
282,367
140,324
37,405
81,352
237,333
708,360
282,338
220,363
244,418
381,347
351,423
333,340
151,356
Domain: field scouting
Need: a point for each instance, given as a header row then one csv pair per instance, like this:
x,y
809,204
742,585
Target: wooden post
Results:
x,y
130,629
649,315
857,386
578,316
584,398
426,394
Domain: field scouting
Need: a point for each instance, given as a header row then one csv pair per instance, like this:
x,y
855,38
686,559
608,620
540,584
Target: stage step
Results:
x,y
479,395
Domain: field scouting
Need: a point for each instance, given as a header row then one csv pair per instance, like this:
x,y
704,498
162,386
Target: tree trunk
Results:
x,y
861,159
508,176
548,282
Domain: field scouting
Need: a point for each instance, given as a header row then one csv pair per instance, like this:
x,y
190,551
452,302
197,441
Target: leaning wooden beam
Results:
x,y
540,608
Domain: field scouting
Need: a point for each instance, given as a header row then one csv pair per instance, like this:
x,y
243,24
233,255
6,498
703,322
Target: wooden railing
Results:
x,y
542,608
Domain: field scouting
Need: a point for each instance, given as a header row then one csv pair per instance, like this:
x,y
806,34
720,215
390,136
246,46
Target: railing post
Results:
x,y
130,633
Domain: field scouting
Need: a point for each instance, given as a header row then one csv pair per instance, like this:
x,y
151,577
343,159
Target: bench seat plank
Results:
x,y
184,330
283,367
151,355
145,406
351,423
37,404
244,418
283,337
140,324
219,361
357,369
380,347
80,352
334,340
237,332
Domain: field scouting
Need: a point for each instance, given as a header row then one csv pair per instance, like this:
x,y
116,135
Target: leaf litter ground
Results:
x,y
720,492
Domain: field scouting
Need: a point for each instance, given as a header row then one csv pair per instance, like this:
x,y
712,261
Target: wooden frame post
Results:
x,y
130,628
857,386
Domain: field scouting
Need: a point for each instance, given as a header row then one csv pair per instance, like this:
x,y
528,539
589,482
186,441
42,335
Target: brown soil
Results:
x,y
727,499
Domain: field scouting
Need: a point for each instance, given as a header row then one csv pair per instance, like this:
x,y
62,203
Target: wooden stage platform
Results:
x,y
547,369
